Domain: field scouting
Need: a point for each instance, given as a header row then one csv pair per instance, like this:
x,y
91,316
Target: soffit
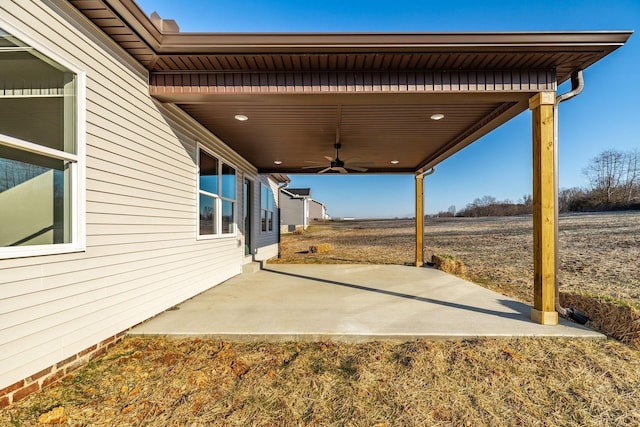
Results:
x,y
294,127
372,135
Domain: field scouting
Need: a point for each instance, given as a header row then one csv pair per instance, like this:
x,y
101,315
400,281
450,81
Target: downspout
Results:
x,y
280,188
429,172
577,84
420,221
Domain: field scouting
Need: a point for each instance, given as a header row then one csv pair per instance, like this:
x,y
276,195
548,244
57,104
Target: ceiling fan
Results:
x,y
337,165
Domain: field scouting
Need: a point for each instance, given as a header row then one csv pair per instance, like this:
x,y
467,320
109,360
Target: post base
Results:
x,y
544,317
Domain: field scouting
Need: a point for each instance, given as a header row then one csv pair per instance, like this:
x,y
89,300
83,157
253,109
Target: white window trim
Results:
x,y
273,212
77,161
217,198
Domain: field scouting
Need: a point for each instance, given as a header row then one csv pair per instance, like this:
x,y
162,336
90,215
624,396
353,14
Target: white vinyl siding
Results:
x,y
266,243
141,255
267,209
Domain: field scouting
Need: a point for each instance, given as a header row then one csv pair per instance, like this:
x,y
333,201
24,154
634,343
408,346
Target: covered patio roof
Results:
x,y
395,102
374,93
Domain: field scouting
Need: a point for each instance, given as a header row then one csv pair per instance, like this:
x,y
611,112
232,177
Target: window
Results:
x,y
40,151
266,208
217,196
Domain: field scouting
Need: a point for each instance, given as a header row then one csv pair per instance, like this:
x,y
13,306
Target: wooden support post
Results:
x,y
419,220
543,311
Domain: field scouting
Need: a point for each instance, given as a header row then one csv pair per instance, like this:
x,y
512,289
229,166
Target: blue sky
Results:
x,y
605,115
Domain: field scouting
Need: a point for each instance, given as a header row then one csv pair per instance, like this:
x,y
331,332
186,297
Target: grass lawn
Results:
x,y
526,381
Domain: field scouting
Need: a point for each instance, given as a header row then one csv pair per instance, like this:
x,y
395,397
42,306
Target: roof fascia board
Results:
x,y
280,177
138,21
308,43
390,42
103,39
291,195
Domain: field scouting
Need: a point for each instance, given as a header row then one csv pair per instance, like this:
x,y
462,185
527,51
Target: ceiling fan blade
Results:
x,y
356,168
313,161
341,170
313,167
329,158
324,170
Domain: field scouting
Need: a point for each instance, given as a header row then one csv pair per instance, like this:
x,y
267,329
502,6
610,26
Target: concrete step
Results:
x,y
251,267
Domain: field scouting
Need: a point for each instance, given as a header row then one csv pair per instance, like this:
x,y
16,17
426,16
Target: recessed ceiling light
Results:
x,y
437,116
395,162
241,117
277,162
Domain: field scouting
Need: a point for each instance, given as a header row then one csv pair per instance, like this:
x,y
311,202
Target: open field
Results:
x,y
599,251
502,382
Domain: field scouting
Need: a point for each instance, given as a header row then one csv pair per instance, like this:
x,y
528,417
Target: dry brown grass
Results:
x,y
530,382
322,248
614,318
159,382
448,264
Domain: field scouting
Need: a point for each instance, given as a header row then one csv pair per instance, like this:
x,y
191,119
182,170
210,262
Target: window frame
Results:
x,y
263,209
76,162
218,198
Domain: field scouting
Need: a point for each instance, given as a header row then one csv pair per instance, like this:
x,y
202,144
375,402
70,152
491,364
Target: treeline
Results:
x,y
489,206
614,184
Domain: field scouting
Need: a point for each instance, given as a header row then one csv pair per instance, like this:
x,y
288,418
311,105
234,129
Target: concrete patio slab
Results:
x,y
352,303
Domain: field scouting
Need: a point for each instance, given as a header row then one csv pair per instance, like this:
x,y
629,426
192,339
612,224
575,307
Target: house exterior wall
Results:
x,y
293,213
266,242
142,253
316,211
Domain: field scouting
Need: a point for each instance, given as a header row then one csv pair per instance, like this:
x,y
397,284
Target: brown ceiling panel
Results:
x,y
373,135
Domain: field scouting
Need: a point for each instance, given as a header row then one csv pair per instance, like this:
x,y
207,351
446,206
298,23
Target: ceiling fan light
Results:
x,y
437,116
241,117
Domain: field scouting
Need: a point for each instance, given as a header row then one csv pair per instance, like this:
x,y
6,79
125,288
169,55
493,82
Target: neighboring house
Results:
x,y
317,211
138,164
298,209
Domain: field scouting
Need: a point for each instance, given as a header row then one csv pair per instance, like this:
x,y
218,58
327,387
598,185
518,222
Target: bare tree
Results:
x,y
567,198
631,172
605,173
